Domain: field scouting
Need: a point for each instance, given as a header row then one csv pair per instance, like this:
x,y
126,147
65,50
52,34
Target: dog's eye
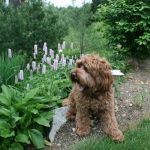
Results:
x,y
85,68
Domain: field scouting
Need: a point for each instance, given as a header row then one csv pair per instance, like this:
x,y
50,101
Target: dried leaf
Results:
x,y
47,143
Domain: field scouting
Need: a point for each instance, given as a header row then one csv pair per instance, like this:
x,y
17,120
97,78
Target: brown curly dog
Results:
x,y
92,94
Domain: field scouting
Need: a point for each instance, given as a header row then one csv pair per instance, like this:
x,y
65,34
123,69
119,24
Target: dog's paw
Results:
x,y
82,132
119,137
70,116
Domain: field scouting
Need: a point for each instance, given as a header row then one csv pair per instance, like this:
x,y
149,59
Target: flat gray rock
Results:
x,y
58,120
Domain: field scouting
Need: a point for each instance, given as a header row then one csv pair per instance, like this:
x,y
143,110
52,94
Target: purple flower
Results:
x,y
51,53
59,47
55,64
70,62
62,57
35,49
28,66
43,69
21,77
44,46
45,50
64,62
9,53
33,65
34,55
44,58
48,60
81,55
63,45
57,57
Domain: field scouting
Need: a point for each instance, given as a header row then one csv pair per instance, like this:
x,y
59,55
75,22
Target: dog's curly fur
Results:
x,y
92,95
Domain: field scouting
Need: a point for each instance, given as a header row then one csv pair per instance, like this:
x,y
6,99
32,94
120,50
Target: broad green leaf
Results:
x,y
55,98
22,138
16,146
7,91
4,100
34,111
4,125
26,119
39,106
37,138
4,111
47,115
31,94
42,121
7,133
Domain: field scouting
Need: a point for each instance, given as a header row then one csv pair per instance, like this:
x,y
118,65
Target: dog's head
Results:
x,y
92,73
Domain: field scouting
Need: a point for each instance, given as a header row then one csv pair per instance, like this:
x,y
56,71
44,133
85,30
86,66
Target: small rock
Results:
x,y
116,108
130,104
73,129
123,115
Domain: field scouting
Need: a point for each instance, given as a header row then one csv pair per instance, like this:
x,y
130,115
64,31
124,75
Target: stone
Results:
x,y
58,120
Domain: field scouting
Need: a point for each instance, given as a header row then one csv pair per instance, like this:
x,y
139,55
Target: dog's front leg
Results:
x,y
82,121
110,126
71,114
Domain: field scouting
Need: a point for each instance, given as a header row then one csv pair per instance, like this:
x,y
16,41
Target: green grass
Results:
x,y
137,137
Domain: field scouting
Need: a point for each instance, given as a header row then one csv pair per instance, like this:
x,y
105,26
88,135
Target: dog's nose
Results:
x,y
73,75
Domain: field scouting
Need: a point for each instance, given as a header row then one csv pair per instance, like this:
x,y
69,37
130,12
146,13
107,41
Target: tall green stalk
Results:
x,y
9,67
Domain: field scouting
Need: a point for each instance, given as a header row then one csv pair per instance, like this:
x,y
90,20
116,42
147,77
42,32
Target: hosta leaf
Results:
x,y
4,100
42,121
7,91
16,146
55,98
39,106
26,119
47,115
22,138
31,94
4,125
7,133
4,111
37,138
34,111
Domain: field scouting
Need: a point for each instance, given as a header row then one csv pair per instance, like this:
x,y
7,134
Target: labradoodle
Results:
x,y
92,94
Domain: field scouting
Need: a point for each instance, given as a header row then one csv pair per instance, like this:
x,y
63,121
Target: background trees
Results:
x,y
129,26
33,22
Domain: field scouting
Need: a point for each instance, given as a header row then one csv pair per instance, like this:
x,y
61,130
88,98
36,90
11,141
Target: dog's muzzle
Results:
x,y
73,76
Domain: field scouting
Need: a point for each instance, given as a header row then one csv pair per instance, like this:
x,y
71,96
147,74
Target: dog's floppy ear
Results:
x,y
105,77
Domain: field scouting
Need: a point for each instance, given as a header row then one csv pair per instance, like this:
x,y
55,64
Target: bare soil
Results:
x,y
132,101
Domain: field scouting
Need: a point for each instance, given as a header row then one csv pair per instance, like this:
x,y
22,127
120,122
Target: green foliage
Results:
x,y
54,85
129,26
140,99
80,19
9,67
31,23
96,3
21,113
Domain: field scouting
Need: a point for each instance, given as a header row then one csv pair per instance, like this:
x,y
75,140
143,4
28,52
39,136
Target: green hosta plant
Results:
x,y
21,115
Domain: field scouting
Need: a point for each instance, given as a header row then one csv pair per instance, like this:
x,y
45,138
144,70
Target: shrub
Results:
x,y
128,26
